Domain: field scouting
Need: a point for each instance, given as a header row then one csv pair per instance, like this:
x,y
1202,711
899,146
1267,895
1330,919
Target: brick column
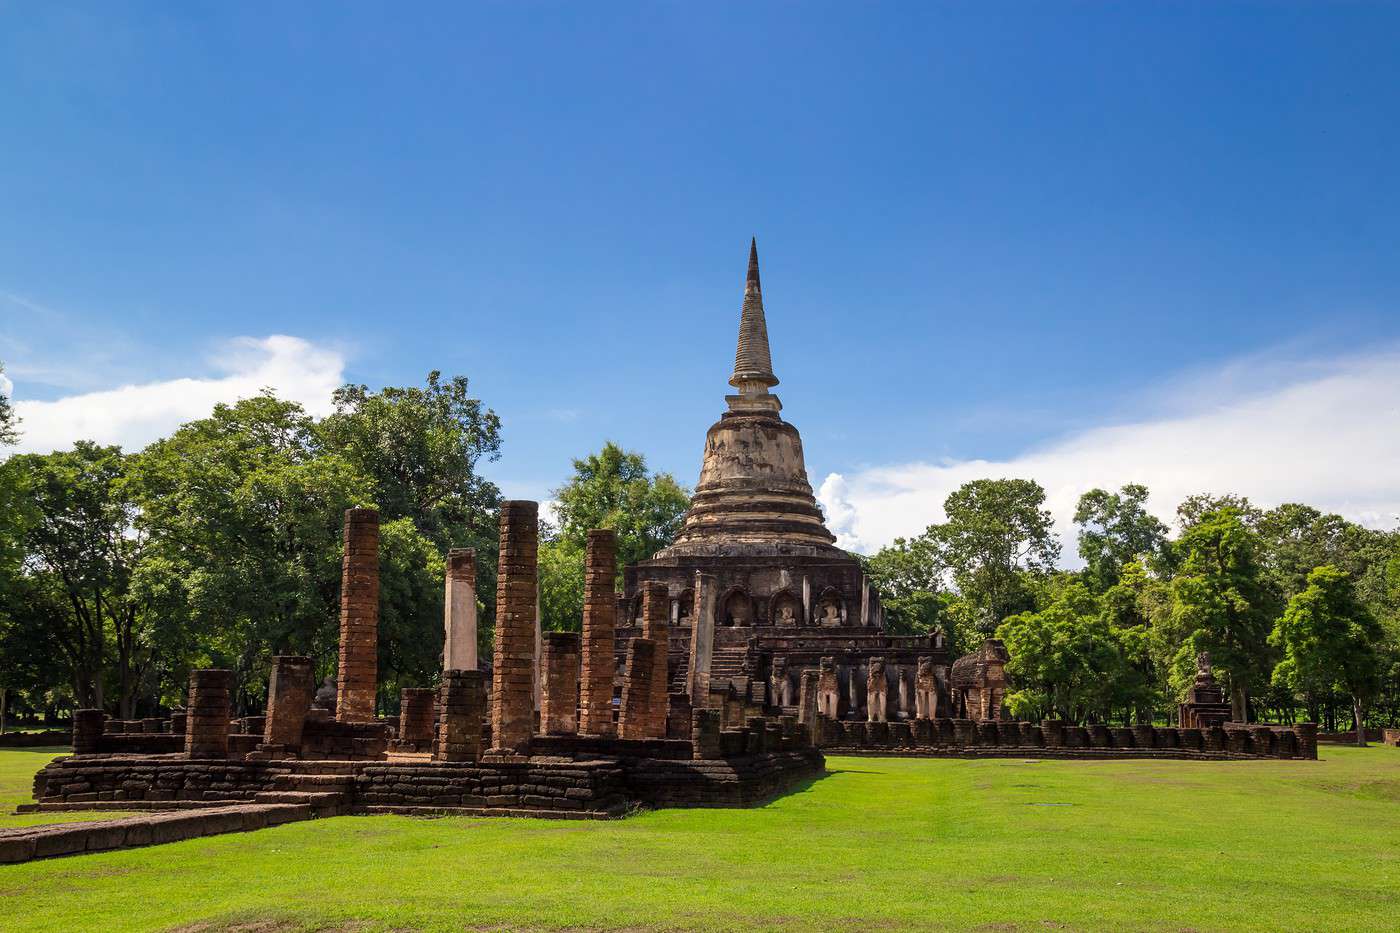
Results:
x,y
289,692
207,722
704,734
636,717
1307,739
358,674
513,676
462,707
656,629
702,639
559,703
87,731
417,715
459,612
599,646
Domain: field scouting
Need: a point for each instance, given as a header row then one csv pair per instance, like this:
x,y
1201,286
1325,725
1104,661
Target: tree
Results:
x,y
1329,638
613,489
1115,528
9,421
997,530
561,584
1194,508
910,577
1220,602
1065,659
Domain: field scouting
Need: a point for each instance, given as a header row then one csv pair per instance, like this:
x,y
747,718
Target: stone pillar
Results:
x,y
635,718
358,675
876,691
806,600
459,612
852,677
513,674
416,715
462,712
559,700
207,722
807,704
1307,739
655,609
702,639
599,644
537,683
925,690
901,677
87,731
828,689
864,600
289,690
704,734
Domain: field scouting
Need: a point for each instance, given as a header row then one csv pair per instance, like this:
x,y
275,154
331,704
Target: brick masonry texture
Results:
x,y
417,714
559,695
207,719
512,694
358,674
636,718
655,612
462,708
599,641
289,693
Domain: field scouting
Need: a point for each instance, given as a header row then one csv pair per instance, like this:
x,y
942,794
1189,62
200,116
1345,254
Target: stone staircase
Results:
x,y
323,785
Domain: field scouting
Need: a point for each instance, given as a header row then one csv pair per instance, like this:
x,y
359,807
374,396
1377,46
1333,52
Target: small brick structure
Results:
x,y
513,673
598,648
289,692
88,725
417,716
1205,703
559,697
459,611
207,720
358,672
462,708
655,612
636,718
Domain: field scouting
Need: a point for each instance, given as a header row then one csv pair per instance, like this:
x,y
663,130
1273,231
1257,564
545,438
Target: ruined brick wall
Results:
x,y
462,706
417,716
289,691
513,674
598,647
560,668
656,608
357,677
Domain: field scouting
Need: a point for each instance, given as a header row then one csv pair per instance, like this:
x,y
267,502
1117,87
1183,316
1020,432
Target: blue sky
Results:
x,y
987,231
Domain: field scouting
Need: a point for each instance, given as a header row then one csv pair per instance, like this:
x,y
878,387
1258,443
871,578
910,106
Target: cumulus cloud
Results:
x,y
134,415
1322,432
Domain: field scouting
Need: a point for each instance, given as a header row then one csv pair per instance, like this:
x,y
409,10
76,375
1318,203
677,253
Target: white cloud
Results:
x,y
1323,432
7,388
135,415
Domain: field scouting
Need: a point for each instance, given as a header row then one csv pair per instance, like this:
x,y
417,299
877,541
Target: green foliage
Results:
x,y
1115,528
1220,602
613,489
9,421
997,532
561,585
909,576
1328,638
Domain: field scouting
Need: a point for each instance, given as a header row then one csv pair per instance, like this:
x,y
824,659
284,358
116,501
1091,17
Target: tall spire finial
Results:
x,y
753,364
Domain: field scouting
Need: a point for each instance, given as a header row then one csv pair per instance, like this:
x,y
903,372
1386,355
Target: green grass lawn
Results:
x,y
17,767
879,843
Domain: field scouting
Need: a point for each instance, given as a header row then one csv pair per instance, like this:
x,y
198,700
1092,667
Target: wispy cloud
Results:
x,y
1325,432
134,415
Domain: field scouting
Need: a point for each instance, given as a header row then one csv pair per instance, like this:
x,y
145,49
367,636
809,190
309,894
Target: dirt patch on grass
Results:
x,y
275,924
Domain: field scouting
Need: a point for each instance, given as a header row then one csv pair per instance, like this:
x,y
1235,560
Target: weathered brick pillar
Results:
x,y
207,722
656,629
807,704
358,674
513,676
462,712
559,703
704,734
964,732
702,639
1144,736
876,691
289,690
599,634
1213,738
459,612
87,731
417,715
636,717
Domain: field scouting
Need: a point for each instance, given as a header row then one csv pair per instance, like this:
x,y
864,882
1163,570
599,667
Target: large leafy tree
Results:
x,y
1329,639
1115,528
1221,603
997,531
9,422
614,489
910,576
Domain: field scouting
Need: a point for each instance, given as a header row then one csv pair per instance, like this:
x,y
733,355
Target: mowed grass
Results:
x,y
877,844
17,768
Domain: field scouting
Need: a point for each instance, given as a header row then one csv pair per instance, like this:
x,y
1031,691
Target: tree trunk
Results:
x,y
1360,723
4,696
1239,703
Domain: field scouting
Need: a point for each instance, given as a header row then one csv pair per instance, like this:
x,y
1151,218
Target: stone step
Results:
x,y
308,797
314,781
